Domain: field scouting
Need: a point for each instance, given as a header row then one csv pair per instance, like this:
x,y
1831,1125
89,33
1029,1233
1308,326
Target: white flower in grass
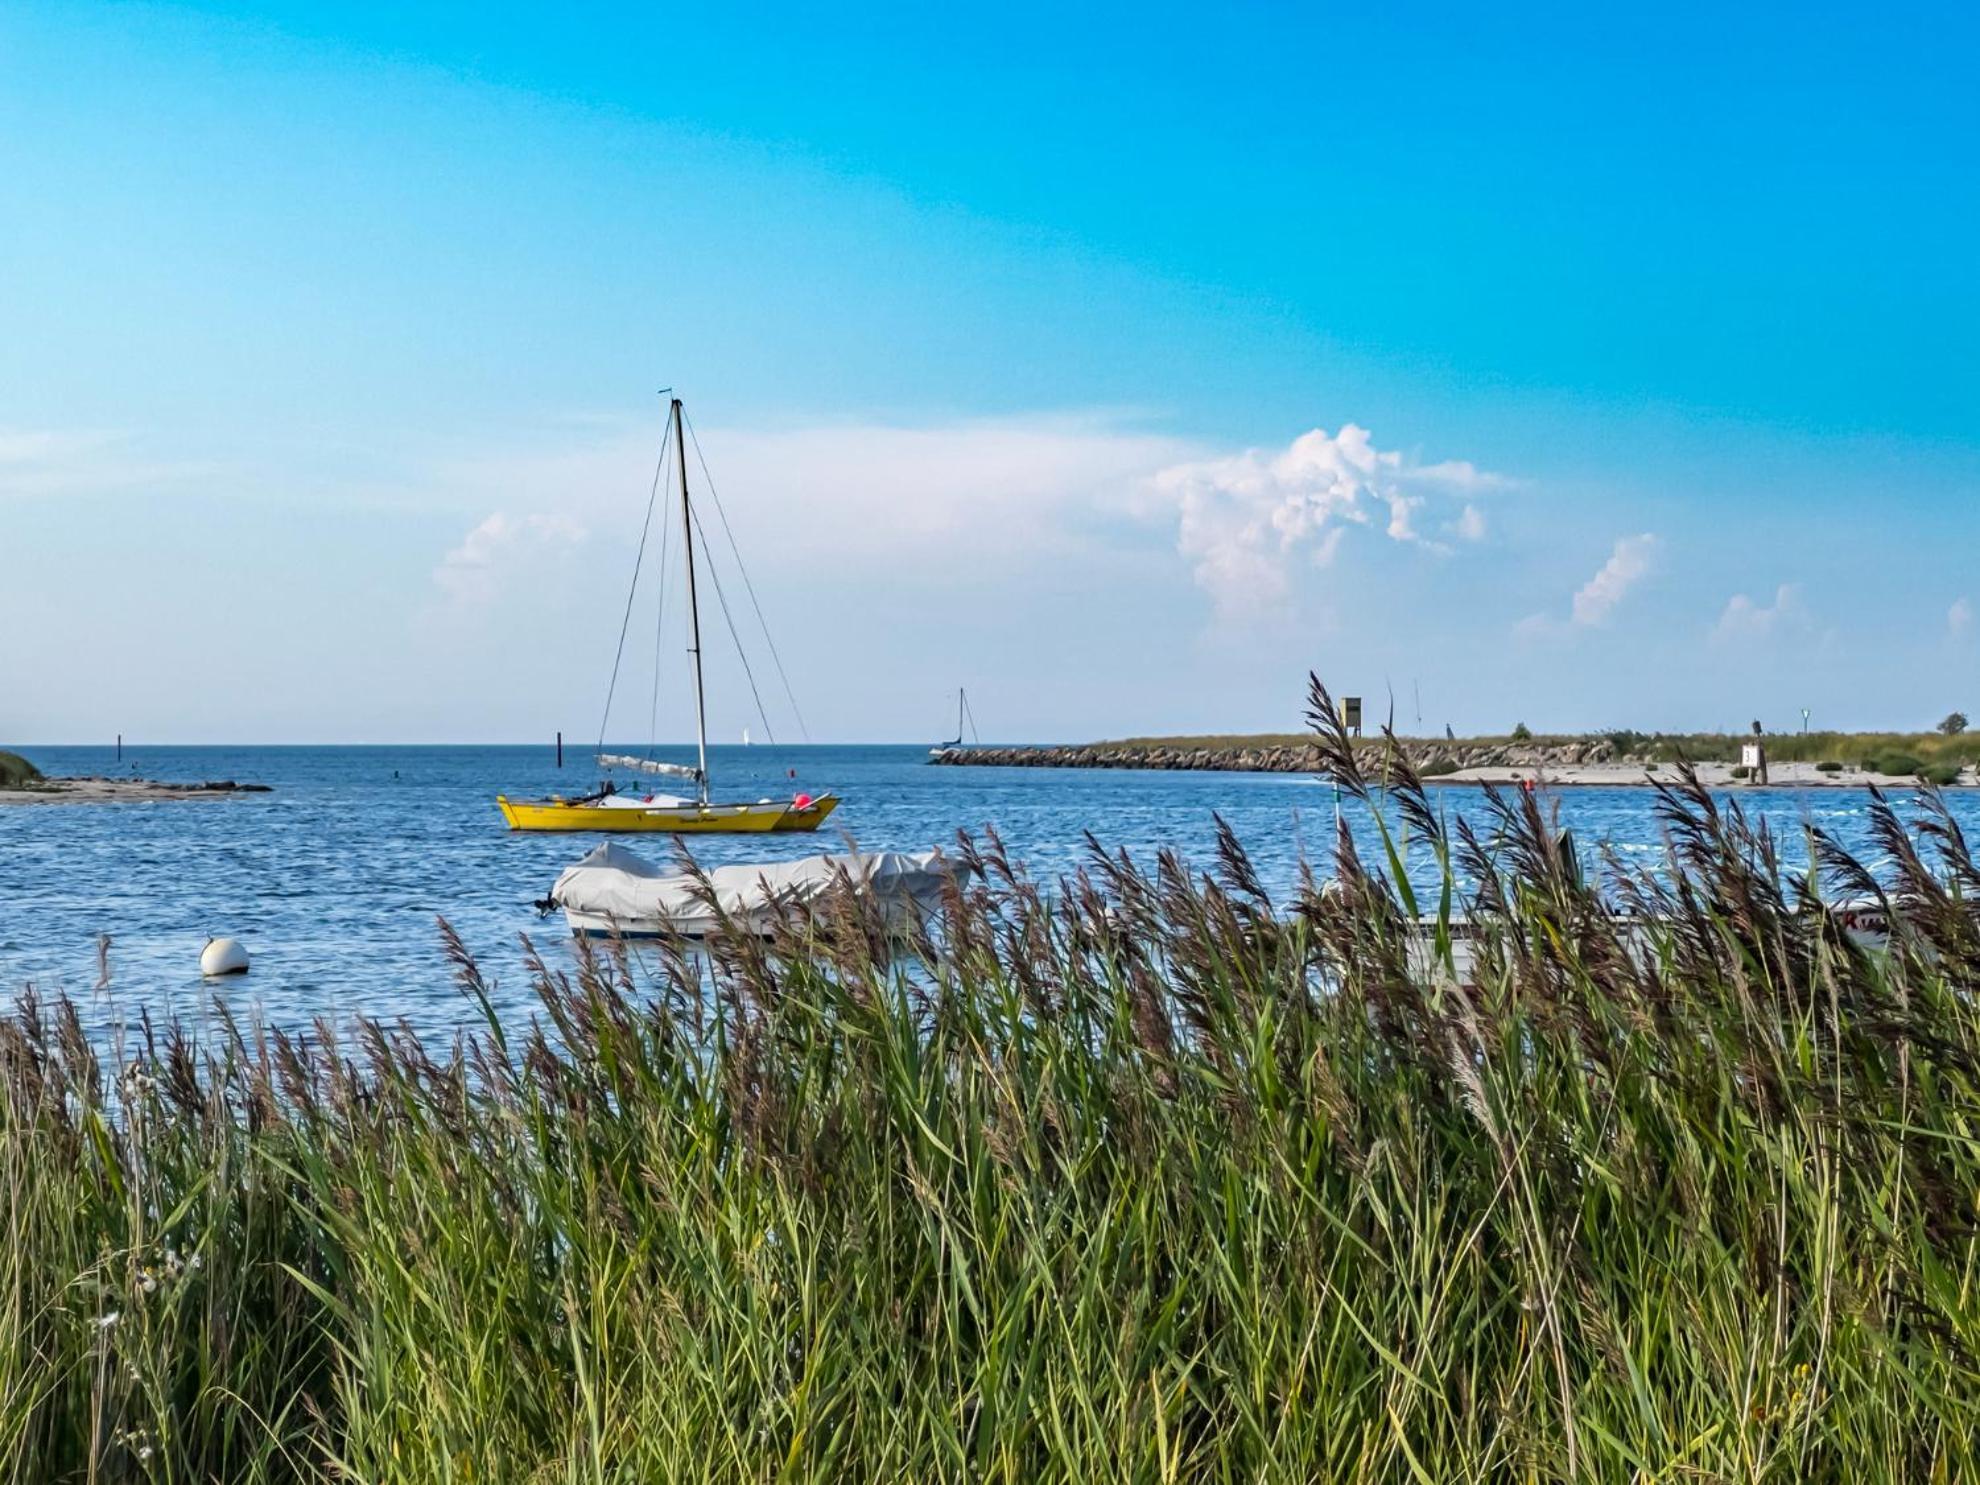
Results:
x,y
109,1321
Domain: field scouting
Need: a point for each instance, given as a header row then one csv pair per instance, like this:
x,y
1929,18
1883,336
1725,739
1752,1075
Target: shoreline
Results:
x,y
1546,766
100,790
1711,775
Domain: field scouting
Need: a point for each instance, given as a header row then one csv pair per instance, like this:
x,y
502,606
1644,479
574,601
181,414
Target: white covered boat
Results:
x,y
612,893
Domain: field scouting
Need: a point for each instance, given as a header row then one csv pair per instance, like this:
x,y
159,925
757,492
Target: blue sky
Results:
x,y
1571,365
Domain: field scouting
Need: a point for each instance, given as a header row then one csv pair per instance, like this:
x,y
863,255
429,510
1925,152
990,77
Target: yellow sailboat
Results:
x,y
609,808
630,812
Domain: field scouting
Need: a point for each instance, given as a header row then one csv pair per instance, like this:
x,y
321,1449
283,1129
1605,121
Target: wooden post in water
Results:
x,y
120,747
560,750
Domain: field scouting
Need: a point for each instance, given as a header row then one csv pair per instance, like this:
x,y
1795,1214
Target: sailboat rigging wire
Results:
x,y
722,602
659,472
749,586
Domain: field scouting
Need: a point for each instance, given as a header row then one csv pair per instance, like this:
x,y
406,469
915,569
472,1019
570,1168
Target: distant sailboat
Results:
x,y
963,718
607,809
745,737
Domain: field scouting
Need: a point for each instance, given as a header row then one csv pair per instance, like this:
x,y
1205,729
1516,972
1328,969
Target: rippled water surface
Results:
x,y
334,880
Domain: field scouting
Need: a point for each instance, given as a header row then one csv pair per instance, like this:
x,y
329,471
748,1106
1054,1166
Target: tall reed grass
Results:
x,y
1147,1177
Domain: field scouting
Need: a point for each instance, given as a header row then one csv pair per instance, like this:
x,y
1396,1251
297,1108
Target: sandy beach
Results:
x,y
1712,775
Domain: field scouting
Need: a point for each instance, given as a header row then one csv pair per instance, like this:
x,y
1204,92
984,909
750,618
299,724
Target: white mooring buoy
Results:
x,y
223,956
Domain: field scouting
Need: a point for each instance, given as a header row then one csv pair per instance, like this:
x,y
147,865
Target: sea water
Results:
x,y
334,879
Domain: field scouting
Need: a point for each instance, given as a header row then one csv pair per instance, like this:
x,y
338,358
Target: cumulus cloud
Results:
x,y
982,498
1632,559
1629,563
499,549
1245,518
1959,618
1746,619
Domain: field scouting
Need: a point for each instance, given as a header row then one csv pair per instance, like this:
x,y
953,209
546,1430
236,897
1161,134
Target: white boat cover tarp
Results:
x,y
648,765
613,890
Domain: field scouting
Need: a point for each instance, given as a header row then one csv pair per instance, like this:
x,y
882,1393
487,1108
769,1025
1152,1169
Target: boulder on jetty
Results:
x,y
1246,759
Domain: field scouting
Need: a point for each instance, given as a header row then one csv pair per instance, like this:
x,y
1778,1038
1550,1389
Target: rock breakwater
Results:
x,y
1427,755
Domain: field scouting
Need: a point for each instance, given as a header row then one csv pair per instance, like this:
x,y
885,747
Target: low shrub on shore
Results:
x,y
16,771
1146,1178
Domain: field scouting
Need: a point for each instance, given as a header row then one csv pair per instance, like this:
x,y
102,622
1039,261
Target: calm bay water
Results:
x,y
333,880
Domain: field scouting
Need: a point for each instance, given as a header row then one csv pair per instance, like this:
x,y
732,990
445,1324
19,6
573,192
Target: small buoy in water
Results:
x,y
223,956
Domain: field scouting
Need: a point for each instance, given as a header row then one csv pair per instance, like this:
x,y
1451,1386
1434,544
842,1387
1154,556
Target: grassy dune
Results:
x,y
1152,1179
16,770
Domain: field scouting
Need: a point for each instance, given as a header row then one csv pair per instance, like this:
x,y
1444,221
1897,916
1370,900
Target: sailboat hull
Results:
x,y
682,819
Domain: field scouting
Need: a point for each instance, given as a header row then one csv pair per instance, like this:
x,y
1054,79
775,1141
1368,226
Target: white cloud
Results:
x,y
499,550
53,461
31,448
1746,619
1632,559
1243,518
1959,618
983,500
867,496
967,492
1629,563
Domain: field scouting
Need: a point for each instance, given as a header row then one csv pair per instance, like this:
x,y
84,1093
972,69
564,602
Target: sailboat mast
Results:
x,y
694,610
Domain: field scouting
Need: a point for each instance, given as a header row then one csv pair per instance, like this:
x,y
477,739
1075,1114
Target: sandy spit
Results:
x,y
1712,775
121,791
